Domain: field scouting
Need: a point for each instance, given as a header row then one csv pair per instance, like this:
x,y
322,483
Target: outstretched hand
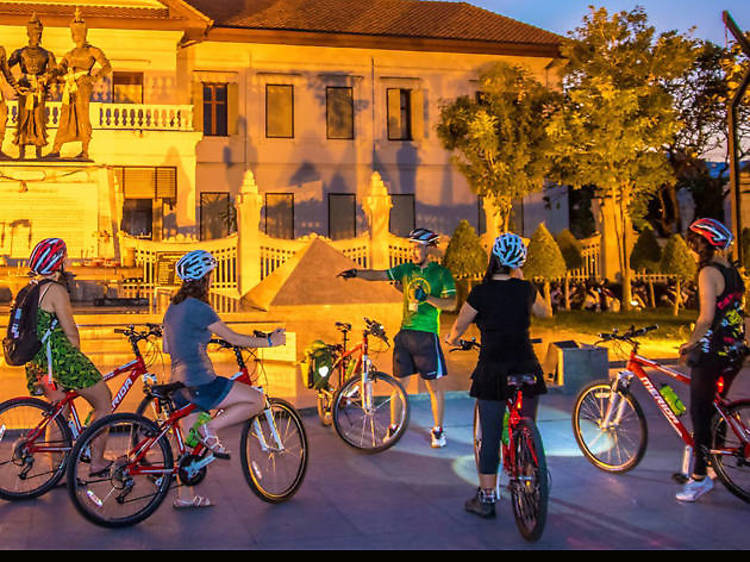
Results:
x,y
277,337
348,274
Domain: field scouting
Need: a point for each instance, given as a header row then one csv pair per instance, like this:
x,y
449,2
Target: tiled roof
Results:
x,y
397,18
66,9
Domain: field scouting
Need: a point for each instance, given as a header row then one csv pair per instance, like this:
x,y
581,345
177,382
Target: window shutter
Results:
x,y
417,114
197,106
394,113
233,98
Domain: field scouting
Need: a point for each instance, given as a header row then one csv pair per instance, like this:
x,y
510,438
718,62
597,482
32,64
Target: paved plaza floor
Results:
x,y
411,497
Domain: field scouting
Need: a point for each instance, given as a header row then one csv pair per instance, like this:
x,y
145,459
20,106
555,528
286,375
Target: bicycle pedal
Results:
x,y
680,478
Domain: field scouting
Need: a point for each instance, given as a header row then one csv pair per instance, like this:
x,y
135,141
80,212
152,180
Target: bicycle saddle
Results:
x,y
526,379
164,390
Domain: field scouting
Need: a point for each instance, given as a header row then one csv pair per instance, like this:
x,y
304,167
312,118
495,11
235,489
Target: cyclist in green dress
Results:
x,y
70,369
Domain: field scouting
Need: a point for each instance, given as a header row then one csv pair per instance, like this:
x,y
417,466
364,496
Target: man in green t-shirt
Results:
x,y
428,288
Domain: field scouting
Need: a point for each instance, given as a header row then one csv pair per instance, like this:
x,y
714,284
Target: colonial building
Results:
x,y
310,96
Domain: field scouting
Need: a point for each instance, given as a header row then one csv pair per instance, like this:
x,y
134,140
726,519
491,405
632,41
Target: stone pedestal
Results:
x,y
249,204
377,206
68,200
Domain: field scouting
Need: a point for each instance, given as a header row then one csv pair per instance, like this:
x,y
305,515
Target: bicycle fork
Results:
x,y
617,403
268,413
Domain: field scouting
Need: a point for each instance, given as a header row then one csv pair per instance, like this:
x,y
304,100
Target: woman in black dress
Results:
x,y
501,306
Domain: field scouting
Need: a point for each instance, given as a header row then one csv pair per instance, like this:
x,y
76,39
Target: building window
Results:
x,y
339,113
279,111
149,194
138,217
402,218
280,215
342,216
215,110
217,216
399,114
127,87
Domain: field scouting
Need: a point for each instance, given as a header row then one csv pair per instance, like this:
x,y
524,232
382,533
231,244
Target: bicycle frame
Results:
x,y
137,368
509,451
635,368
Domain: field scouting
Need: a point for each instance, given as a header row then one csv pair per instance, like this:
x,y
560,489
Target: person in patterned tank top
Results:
x,y
716,347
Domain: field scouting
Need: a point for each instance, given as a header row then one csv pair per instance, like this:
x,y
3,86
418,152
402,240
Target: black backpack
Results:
x,y
21,343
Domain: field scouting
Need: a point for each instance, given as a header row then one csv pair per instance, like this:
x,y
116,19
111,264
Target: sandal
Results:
x,y
196,502
212,443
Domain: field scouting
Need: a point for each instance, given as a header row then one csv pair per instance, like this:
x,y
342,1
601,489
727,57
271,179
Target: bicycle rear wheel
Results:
x,y
529,488
128,492
618,447
373,422
274,468
733,470
26,470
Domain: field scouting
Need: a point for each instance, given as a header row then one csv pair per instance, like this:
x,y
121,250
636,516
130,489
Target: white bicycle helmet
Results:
x,y
195,265
510,250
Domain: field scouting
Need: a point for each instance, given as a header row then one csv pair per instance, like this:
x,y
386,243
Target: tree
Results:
x,y
646,257
544,260
465,257
571,253
499,139
617,117
676,260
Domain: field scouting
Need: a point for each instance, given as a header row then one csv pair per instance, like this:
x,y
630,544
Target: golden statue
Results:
x,y
5,70
37,68
78,83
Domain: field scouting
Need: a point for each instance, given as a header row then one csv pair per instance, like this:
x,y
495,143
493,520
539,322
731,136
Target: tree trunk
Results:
x,y
677,298
651,293
547,294
567,291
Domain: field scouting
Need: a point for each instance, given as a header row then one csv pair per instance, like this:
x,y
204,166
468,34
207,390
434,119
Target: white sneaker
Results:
x,y
438,437
693,489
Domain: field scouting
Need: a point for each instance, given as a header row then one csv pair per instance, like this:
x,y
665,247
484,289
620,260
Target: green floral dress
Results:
x,y
71,369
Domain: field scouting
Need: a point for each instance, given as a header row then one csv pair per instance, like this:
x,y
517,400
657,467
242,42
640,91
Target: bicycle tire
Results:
x,y
730,469
91,496
17,417
363,430
324,409
530,491
632,431
269,483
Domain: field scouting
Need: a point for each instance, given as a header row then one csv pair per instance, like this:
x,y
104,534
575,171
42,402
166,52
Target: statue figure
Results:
x,y
37,67
5,70
78,84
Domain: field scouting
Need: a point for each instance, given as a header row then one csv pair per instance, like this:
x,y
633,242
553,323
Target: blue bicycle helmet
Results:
x,y
510,250
424,237
195,265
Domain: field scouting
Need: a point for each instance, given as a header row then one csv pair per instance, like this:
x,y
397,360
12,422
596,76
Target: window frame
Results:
x,y
123,73
265,211
353,196
351,106
229,206
211,106
402,108
413,213
291,88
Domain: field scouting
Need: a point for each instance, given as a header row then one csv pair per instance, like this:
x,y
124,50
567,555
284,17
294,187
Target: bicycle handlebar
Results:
x,y
131,332
629,335
466,345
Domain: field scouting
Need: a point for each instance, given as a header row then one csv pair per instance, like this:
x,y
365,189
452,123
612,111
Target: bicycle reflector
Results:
x,y
720,385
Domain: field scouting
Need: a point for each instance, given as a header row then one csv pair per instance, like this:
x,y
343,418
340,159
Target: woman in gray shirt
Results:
x,y
188,326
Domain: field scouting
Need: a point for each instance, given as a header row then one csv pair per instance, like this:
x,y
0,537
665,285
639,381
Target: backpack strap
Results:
x,y
46,337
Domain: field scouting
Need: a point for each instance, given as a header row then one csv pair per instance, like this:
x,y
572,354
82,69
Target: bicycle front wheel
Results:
x,y
371,417
32,457
130,490
733,469
614,446
274,452
529,486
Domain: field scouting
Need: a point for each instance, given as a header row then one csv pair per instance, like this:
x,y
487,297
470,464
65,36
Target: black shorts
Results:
x,y
418,352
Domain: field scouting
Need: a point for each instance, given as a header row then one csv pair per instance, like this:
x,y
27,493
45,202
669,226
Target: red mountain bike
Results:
x,y
36,437
273,450
610,427
522,456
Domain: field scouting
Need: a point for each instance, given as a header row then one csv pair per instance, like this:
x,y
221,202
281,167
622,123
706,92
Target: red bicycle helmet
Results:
x,y
47,256
718,235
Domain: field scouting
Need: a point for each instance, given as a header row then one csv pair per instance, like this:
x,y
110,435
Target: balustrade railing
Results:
x,y
121,116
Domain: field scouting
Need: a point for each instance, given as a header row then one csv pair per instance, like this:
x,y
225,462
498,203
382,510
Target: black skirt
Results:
x,y
489,379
